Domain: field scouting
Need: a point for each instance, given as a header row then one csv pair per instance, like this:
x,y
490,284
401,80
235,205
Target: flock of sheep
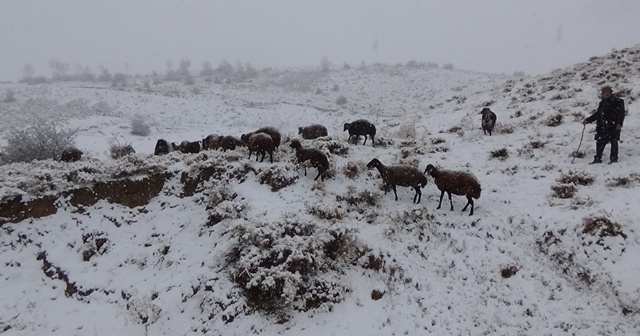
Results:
x,y
267,139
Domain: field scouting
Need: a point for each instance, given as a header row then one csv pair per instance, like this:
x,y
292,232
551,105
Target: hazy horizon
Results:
x,y
142,36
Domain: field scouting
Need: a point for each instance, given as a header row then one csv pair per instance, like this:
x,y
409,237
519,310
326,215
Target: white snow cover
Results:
x,y
528,262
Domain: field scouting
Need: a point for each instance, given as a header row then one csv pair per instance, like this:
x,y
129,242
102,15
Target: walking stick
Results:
x,y
578,150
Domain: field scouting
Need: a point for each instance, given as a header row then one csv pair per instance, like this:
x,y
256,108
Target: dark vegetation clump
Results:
x,y
94,243
554,120
500,154
359,199
578,154
278,177
288,264
508,271
623,181
351,170
437,141
337,148
564,191
576,178
118,150
602,227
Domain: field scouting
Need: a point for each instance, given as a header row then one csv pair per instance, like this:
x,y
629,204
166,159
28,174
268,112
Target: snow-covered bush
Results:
x,y
43,140
9,96
577,178
278,176
139,126
287,264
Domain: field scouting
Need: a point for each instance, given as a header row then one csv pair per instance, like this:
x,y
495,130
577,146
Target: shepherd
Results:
x,y
609,119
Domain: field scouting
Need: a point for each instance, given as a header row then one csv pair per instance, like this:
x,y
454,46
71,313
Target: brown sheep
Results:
x,y
401,175
229,142
312,131
274,133
211,142
71,154
317,158
214,141
260,143
457,183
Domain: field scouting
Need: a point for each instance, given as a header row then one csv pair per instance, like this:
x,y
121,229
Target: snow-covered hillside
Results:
x,y
214,243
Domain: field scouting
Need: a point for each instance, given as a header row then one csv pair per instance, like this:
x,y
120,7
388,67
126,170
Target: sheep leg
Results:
x,y
373,143
441,195
319,173
394,191
450,201
470,201
418,195
263,154
249,155
365,140
271,157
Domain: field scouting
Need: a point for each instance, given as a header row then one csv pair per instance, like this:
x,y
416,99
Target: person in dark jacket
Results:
x,y
609,118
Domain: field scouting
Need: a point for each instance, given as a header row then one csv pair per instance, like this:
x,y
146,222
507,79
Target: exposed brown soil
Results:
x,y
130,193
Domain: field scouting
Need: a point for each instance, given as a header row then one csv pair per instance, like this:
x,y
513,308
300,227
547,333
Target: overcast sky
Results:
x,y
500,36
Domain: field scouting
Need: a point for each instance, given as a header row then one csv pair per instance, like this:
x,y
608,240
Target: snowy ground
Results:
x,y
523,264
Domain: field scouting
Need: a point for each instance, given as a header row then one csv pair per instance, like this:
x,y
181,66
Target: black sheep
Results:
x,y
488,120
190,147
71,154
164,147
361,127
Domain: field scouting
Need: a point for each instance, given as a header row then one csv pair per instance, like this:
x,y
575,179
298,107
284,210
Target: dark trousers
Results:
x,y
601,143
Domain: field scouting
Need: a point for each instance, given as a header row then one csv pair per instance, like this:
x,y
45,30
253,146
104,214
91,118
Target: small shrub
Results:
x,y
564,191
620,182
140,127
576,178
358,199
94,243
372,261
9,96
337,148
43,140
118,150
506,129
602,227
325,211
278,177
577,116
437,141
577,154
500,154
508,271
284,265
351,170
536,144
554,120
